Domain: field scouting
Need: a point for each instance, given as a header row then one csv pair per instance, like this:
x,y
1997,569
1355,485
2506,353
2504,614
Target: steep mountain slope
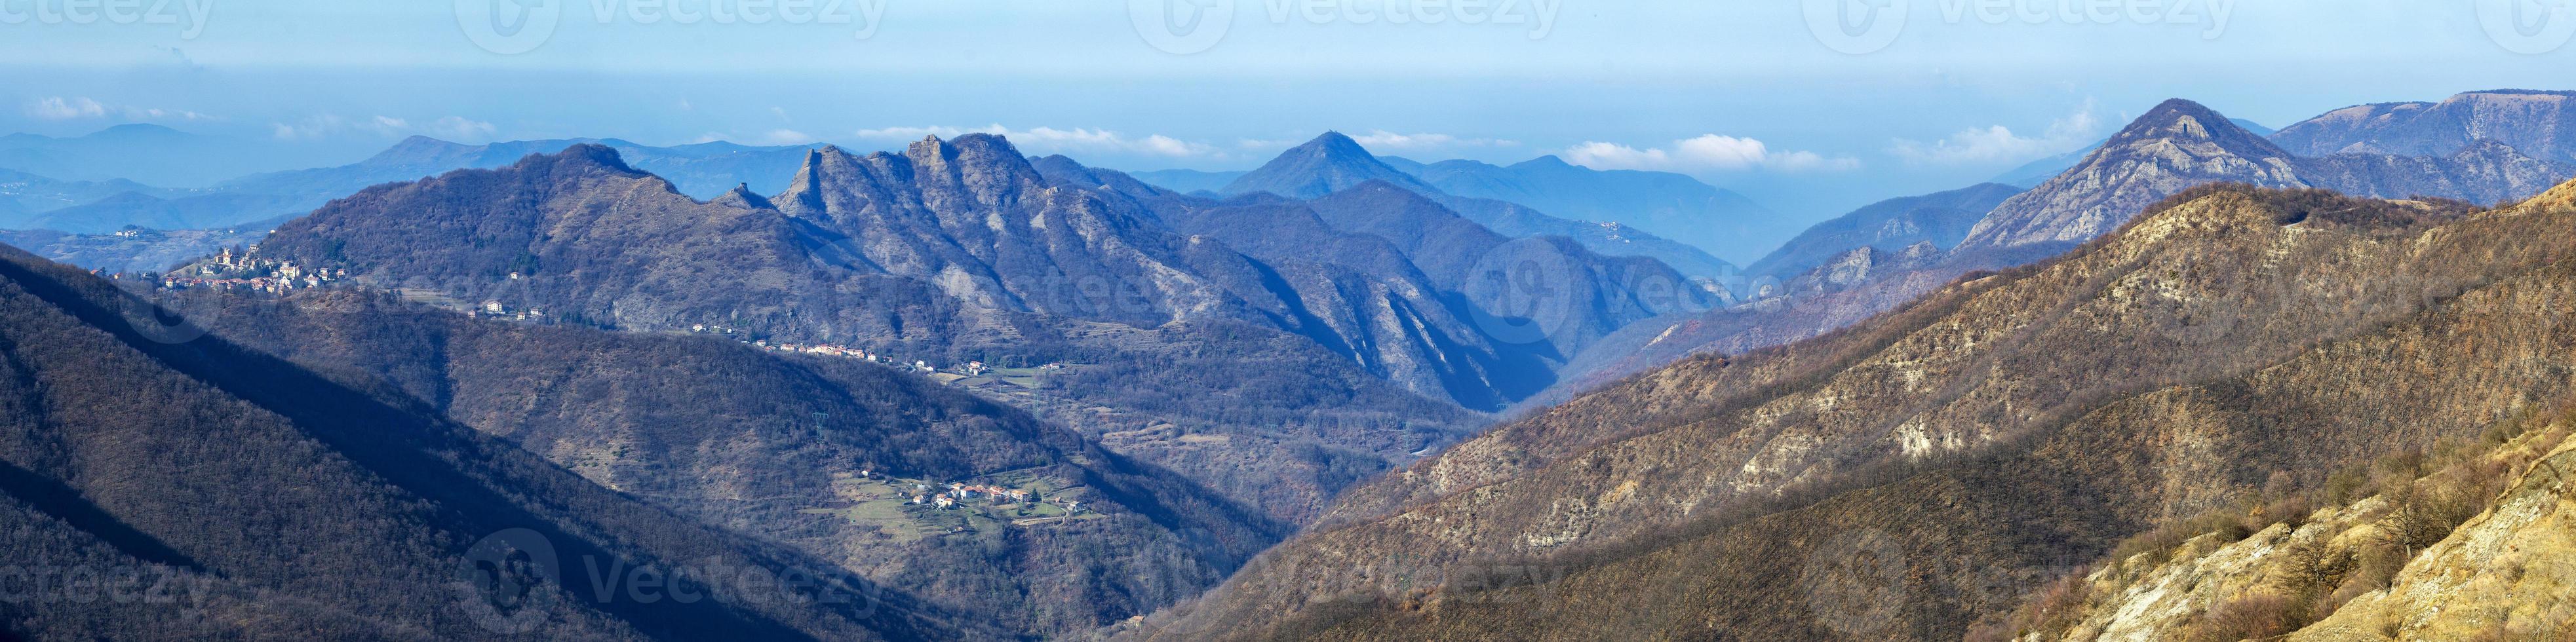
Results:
x,y
1329,163
776,447
1942,219
2181,144
227,493
2166,151
2461,543
1333,163
1877,482
1568,294
2538,123
1181,351
2033,173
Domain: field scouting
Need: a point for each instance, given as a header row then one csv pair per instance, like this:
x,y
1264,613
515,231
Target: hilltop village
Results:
x,y
240,271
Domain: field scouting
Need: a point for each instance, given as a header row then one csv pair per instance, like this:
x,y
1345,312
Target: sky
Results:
x,y
1810,106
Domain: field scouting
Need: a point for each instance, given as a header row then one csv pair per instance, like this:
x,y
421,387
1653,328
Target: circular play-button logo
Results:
x,y
509,27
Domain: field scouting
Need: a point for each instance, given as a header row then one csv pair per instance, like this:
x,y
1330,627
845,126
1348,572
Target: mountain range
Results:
x,y
2177,146
2176,391
1274,377
146,154
2180,144
2535,123
241,490
1921,475
1942,219
1333,162
705,170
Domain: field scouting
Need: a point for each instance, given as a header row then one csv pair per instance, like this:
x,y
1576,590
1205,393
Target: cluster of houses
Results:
x,y
958,493
495,309
251,272
824,349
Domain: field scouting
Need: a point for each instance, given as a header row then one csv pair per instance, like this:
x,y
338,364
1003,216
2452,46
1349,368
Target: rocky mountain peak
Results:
x,y
741,197
1329,163
2181,121
2177,145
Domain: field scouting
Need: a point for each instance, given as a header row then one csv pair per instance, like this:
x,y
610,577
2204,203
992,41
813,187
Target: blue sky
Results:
x,y
1811,117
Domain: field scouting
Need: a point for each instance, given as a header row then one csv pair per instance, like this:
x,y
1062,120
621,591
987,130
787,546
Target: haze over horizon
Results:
x,y
1749,98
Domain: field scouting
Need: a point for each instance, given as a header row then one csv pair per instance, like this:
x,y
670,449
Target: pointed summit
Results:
x,y
804,195
2176,146
2181,144
2184,120
741,197
1329,163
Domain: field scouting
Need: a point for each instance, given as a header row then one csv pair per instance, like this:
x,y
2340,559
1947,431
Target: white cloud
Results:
x,y
783,137
1998,144
1382,140
1711,152
60,108
165,114
917,133
458,128
453,128
1051,140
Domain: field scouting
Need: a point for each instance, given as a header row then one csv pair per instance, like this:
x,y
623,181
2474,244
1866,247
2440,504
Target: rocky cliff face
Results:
x,y
2461,547
2004,427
